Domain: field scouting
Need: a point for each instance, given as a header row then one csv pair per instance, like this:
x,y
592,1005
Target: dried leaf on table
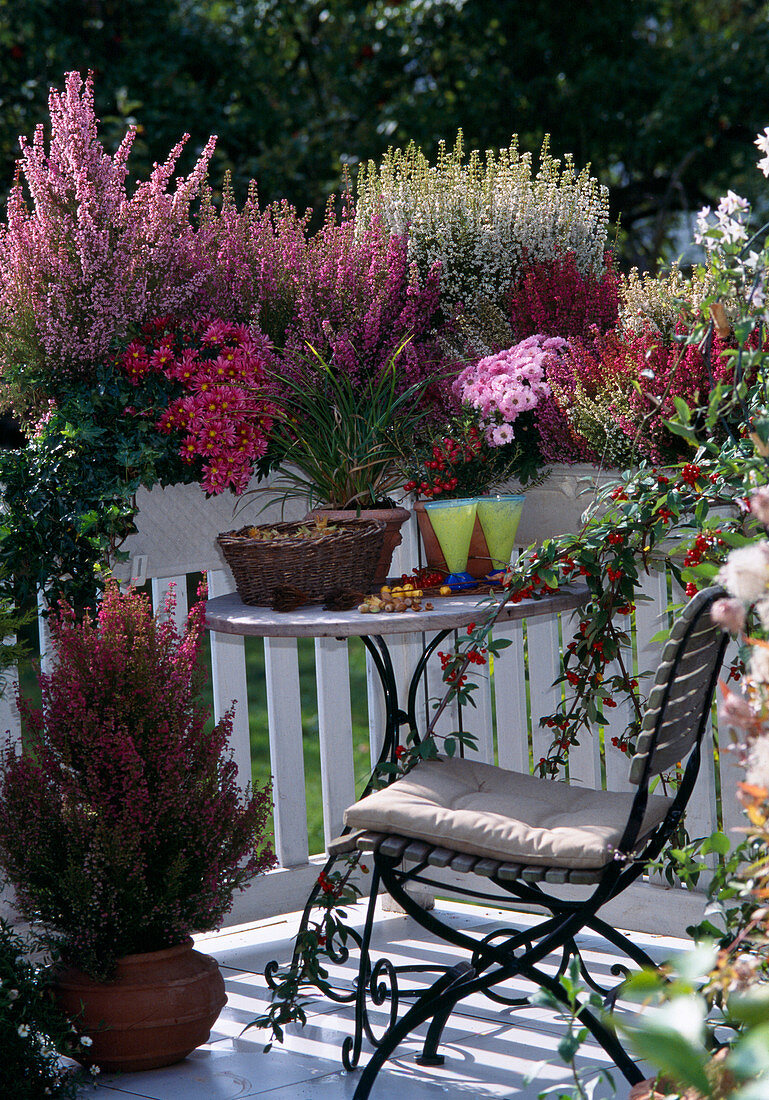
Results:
x,y
342,599
286,597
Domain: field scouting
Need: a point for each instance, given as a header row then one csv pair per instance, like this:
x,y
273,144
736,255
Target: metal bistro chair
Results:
x,y
525,834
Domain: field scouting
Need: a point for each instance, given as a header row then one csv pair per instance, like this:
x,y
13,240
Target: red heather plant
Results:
x,y
84,261
122,826
615,390
223,416
554,298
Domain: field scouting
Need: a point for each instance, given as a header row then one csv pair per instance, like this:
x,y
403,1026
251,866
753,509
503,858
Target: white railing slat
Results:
x,y
10,720
229,682
284,712
510,699
161,587
478,719
337,774
544,668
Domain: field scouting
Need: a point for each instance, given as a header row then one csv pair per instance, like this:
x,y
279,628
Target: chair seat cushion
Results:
x,y
484,810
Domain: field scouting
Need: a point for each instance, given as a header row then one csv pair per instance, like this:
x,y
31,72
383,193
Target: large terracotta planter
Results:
x,y
393,519
479,560
160,1007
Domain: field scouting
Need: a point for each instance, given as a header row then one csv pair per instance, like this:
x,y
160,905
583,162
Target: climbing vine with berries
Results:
x,y
681,520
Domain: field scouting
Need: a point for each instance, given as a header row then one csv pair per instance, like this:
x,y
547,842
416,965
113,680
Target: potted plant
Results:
x,y
492,439
337,441
123,829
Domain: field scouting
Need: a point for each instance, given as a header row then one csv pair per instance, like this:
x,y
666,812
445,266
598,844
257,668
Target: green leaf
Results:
x,y
675,1055
750,1008
568,1047
717,842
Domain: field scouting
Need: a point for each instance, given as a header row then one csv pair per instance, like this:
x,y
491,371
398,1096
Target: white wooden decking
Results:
x,y
490,1051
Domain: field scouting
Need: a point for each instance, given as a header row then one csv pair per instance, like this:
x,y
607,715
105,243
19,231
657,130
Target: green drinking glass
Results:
x,y
499,517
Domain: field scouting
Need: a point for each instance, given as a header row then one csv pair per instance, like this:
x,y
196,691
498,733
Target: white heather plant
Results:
x,y
480,218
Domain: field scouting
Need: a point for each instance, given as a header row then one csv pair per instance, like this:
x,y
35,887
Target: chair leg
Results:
x,y
617,939
430,1003
430,1055
605,1038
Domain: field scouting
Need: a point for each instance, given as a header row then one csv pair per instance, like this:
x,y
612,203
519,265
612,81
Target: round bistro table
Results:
x,y
229,615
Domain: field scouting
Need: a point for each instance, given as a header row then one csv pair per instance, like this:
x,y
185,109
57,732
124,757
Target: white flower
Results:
x,y
745,574
23,1030
757,771
762,141
95,1070
703,226
759,664
729,614
731,203
762,610
86,1041
759,504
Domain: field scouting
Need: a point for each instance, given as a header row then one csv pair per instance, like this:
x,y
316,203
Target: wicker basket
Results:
x,y
346,557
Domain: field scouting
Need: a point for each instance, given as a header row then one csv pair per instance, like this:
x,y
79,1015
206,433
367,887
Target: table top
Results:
x,y
229,615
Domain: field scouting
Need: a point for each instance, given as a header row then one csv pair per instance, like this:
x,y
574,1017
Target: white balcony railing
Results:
x,y
177,529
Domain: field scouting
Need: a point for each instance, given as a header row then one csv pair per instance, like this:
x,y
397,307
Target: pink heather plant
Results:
x,y
347,291
504,386
556,298
122,826
223,416
84,261
256,261
359,300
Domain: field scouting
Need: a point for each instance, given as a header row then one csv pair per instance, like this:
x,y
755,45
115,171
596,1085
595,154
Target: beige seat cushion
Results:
x,y
487,811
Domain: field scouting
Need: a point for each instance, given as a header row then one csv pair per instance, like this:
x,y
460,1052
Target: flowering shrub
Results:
x,y
658,303
87,260
223,416
123,827
483,221
555,297
348,291
359,301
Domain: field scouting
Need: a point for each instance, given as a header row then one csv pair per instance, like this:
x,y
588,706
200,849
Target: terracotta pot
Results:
x,y
479,560
160,1007
393,518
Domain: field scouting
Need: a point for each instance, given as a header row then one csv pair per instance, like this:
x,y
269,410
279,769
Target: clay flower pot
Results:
x,y
393,519
159,1008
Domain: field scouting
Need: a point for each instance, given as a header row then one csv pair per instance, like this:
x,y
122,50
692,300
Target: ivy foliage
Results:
x,y
70,495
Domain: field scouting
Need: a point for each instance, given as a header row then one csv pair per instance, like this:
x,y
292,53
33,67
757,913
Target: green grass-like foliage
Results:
x,y
340,439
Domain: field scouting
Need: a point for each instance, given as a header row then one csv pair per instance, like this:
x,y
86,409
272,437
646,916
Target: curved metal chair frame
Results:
x,y
674,723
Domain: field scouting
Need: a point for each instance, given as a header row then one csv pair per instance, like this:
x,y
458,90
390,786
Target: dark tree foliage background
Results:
x,y
663,97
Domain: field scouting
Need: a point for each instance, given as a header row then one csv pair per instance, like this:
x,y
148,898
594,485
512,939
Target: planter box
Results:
x,y
177,528
556,506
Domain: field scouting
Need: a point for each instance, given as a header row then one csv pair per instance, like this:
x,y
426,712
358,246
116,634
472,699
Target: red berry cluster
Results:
x,y
447,659
328,886
701,545
447,456
691,474
424,578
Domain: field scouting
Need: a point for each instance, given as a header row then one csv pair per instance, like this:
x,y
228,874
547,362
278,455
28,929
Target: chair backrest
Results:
x,y
680,701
